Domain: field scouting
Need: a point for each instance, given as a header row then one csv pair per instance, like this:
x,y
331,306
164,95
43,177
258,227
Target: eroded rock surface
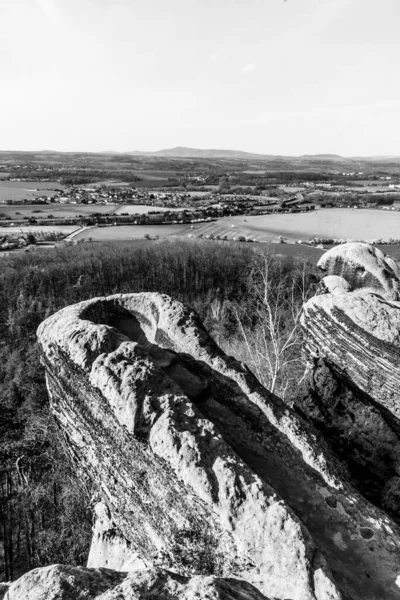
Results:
x,y
109,547
352,343
201,469
59,582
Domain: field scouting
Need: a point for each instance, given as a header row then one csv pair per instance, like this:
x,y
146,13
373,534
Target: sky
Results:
x,y
286,77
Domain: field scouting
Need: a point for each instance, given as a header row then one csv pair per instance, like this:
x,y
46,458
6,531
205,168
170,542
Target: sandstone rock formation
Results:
x,y
109,547
352,343
364,267
59,582
201,469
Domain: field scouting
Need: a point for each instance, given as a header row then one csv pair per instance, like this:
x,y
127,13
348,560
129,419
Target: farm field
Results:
x,y
364,224
142,209
37,228
291,189
154,174
151,179
150,184
381,189
309,252
336,223
127,235
146,182
108,183
20,190
194,194
41,211
131,232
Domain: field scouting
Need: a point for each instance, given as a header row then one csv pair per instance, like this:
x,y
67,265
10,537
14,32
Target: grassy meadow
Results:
x,y
142,209
67,229
42,211
131,232
344,223
333,223
21,190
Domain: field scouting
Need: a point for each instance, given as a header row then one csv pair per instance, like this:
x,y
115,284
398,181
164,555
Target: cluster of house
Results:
x,y
123,195
13,242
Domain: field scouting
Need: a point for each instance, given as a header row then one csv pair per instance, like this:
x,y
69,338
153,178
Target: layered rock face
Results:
x,y
199,468
352,388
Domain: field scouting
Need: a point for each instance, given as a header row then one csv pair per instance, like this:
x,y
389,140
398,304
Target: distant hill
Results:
x,y
331,157
377,159
183,152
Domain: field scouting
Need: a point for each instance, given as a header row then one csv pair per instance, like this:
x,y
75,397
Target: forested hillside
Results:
x,y
248,300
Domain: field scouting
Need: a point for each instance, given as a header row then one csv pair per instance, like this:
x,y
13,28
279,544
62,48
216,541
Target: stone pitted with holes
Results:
x,y
199,468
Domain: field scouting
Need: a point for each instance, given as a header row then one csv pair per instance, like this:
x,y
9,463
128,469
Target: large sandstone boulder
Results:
x,y
364,267
352,387
59,582
201,469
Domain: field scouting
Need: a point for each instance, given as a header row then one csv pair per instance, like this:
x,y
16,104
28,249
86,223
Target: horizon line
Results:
x,y
144,152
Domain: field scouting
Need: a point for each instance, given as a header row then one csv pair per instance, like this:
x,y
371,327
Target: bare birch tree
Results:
x,y
271,345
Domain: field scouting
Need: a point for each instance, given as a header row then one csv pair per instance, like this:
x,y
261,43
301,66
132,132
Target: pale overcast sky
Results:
x,y
268,76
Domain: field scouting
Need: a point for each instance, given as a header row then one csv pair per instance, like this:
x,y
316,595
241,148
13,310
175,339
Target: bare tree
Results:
x,y
218,313
271,345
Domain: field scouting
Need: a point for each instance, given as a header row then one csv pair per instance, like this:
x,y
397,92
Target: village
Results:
x,y
49,206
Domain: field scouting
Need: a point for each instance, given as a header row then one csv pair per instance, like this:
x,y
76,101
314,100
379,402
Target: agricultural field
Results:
x,y
154,174
363,224
108,183
291,189
141,209
128,235
42,211
288,250
131,232
150,179
67,229
23,190
201,193
381,189
329,223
